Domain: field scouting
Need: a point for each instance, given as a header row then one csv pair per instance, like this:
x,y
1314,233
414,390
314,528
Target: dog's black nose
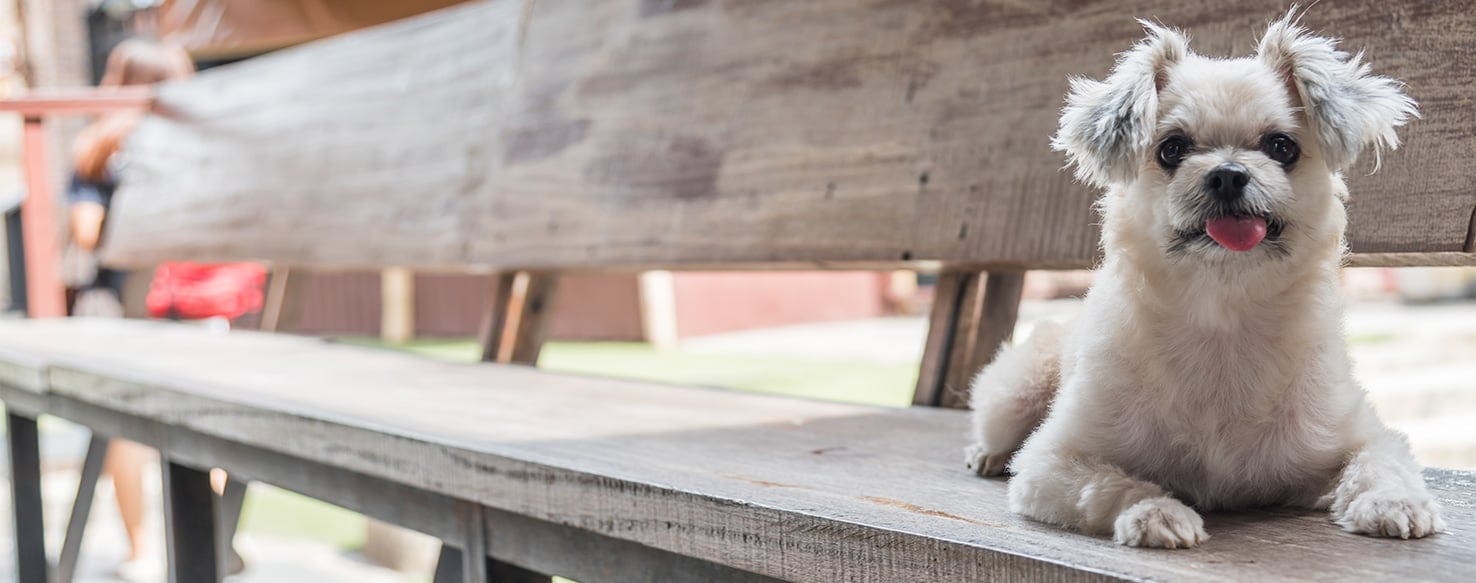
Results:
x,y
1227,182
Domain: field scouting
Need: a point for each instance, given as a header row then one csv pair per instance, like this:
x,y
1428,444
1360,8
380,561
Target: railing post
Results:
x,y
44,294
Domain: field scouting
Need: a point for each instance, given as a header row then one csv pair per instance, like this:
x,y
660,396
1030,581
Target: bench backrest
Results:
x,y
566,134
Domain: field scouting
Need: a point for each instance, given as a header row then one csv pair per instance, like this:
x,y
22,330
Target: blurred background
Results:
x,y
847,336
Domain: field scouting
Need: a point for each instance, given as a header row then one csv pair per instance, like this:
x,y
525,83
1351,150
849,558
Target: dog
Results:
x,y
1208,368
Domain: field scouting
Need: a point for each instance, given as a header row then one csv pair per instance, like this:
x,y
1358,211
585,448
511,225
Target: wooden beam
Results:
x,y
189,524
282,304
25,498
494,339
397,305
534,309
92,466
657,466
72,101
973,313
550,141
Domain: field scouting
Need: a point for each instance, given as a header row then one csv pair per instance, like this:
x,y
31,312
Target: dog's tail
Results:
x,y
1011,396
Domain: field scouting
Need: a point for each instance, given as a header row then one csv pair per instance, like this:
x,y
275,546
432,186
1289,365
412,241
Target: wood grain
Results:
x,y
785,488
583,133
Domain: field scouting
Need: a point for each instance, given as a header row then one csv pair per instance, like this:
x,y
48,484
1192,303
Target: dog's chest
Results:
x,y
1230,421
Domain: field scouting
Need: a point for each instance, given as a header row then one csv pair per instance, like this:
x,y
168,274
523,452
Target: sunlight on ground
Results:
x,y
848,380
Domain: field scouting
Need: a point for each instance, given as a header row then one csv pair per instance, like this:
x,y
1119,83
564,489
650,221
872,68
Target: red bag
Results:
x,y
195,291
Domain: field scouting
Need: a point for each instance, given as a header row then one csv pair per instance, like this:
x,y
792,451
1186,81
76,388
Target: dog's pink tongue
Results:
x,y
1240,233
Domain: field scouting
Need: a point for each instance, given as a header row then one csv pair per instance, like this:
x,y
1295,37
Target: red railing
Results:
x,y
45,296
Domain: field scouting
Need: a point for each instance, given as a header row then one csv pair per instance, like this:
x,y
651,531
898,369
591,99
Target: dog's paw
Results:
x,y
1376,514
1163,523
985,462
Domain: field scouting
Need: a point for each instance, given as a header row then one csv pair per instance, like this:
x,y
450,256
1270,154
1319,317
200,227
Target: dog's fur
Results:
x,y
1198,377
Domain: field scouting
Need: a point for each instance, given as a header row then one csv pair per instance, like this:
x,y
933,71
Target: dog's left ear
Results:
x,y
1348,107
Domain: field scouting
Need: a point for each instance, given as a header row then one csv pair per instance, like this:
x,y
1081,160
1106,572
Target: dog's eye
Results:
x,y
1281,148
1171,151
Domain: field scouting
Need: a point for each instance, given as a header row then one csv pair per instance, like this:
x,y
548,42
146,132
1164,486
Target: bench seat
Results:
x,y
742,484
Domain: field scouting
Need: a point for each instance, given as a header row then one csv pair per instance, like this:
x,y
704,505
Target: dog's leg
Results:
x,y
1010,397
1100,498
1381,492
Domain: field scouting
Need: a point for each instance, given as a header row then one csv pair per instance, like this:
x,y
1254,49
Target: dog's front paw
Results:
x,y
985,462
1163,523
1376,514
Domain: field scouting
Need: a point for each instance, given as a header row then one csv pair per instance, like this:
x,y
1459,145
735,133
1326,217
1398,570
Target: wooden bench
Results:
x,y
529,139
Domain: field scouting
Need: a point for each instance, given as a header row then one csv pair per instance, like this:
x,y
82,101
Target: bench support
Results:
x,y
189,524
517,316
92,466
25,496
973,313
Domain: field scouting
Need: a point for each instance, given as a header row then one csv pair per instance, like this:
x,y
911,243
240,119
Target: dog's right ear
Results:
x,y
1107,125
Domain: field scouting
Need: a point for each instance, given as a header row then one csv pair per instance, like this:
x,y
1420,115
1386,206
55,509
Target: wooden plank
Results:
x,y
25,497
530,544
635,133
780,487
565,550
405,116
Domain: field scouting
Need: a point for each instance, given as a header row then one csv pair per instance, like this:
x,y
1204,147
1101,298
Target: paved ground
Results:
x,y
1417,361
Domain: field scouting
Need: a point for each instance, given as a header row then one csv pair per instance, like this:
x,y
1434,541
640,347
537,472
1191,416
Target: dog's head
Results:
x,y
1229,159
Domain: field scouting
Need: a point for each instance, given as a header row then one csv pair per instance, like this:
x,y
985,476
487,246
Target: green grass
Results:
x,y
279,512
853,381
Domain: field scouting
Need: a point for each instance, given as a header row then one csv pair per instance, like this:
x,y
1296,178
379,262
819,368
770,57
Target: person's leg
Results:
x,y
125,464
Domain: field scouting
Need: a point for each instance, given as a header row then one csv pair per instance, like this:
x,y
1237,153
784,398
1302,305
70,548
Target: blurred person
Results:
x,y
90,194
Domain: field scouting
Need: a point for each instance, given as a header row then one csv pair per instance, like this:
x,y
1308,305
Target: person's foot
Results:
x,y
143,569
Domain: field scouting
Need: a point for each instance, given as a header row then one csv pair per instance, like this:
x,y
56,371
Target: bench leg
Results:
x,y
189,524
92,466
475,566
972,314
25,491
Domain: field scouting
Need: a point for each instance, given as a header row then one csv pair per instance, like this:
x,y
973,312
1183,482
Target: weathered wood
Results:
x,y
990,309
397,305
530,544
282,302
473,545
533,306
634,133
189,524
494,339
92,466
949,298
25,498
784,488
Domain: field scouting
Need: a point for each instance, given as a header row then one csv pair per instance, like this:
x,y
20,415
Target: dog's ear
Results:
x,y
1107,125
1347,106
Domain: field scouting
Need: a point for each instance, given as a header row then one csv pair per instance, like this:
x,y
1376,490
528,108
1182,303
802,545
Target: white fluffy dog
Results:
x,y
1208,369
